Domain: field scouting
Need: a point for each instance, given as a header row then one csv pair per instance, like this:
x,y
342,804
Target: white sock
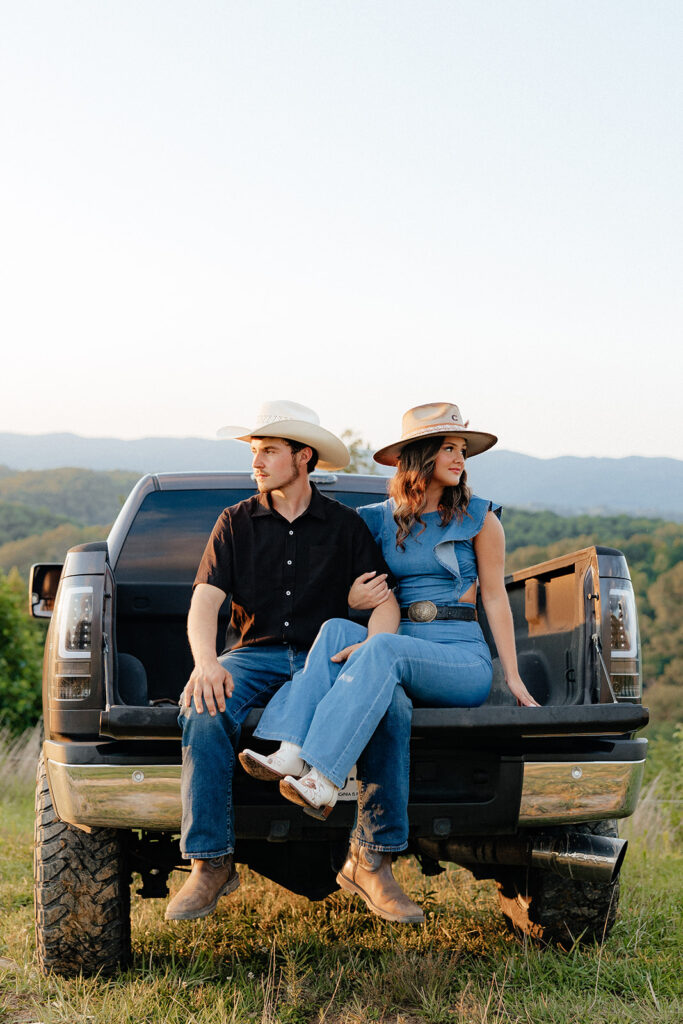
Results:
x,y
289,749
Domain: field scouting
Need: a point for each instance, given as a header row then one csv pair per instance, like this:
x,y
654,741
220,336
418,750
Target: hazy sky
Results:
x,y
361,205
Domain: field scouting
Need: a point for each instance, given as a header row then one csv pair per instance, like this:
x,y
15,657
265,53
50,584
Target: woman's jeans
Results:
x,y
332,709
210,745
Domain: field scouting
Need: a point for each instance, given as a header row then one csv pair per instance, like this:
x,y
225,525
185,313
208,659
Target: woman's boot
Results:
x,y
273,767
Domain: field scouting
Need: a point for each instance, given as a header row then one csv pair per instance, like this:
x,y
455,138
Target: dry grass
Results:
x,y
274,958
18,760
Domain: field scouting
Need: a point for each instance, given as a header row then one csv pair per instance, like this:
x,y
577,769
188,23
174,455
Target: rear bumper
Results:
x,y
147,796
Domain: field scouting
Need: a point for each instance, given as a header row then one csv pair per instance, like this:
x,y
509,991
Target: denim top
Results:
x,y
438,563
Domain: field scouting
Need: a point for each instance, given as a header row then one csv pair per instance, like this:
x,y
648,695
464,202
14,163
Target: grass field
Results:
x,y
271,957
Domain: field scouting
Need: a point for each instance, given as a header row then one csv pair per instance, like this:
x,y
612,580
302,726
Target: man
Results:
x,y
287,557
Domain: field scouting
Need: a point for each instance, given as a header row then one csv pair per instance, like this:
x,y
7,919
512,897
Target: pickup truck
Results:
x,y
526,796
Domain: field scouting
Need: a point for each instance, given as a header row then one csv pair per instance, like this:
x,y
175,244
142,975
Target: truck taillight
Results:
x,y
71,647
625,670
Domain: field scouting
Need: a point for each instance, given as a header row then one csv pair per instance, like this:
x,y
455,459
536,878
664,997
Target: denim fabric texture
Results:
x,y
210,745
331,710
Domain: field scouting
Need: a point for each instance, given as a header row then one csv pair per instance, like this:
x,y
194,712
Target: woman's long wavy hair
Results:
x,y
408,488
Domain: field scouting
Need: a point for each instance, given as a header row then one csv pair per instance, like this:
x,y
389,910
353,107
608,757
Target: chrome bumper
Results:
x,y
148,796
558,793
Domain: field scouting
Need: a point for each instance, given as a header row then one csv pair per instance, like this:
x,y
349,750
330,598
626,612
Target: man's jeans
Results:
x,y
210,745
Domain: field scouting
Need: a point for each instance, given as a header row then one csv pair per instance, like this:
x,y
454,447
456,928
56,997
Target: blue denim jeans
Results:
x,y
331,710
210,745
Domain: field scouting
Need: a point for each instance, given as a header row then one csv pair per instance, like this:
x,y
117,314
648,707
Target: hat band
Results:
x,y
438,427
265,421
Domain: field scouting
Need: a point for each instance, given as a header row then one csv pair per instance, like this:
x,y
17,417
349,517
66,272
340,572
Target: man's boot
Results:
x,y
208,881
368,874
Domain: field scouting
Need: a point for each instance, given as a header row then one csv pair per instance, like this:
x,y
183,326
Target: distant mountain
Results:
x,y
568,485
145,455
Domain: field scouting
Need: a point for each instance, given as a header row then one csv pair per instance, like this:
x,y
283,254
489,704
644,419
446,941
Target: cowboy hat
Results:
x,y
437,419
296,423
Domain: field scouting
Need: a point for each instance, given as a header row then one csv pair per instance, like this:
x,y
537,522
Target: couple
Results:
x,y
337,693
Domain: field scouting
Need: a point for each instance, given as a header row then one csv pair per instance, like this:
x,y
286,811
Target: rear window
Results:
x,y
171,528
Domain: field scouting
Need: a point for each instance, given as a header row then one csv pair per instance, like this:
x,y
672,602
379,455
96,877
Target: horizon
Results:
x,y
198,437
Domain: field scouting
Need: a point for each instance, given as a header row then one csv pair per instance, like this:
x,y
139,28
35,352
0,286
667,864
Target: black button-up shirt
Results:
x,y
286,579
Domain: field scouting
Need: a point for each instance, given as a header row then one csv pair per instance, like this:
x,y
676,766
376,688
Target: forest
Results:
x,y
42,514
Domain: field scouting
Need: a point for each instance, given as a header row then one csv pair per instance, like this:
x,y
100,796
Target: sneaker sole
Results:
x,y
348,886
232,883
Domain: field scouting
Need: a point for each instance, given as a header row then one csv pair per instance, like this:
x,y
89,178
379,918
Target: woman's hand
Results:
x,y
520,692
368,591
347,652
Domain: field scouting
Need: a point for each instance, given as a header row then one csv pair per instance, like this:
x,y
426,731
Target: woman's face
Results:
x,y
450,461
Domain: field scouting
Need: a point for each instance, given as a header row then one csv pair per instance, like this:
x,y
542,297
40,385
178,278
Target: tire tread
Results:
x,y
82,894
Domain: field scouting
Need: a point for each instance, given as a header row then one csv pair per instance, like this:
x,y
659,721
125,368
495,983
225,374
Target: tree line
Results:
x,y
44,514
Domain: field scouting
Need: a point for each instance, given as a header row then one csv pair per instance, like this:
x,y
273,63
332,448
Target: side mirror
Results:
x,y
43,581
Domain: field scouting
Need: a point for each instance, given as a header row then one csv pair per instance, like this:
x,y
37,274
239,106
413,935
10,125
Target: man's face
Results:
x,y
274,463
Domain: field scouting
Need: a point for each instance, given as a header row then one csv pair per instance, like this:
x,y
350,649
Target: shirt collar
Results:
x,y
263,505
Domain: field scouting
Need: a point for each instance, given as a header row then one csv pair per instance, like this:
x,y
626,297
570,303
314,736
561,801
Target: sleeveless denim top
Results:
x,y
438,563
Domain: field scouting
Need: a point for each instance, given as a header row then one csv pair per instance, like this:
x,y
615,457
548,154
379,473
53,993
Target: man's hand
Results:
x,y
368,591
209,683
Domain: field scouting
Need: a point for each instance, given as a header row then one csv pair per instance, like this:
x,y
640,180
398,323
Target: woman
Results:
x,y
438,540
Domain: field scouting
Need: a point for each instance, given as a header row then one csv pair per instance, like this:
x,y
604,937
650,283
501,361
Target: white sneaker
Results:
x,y
311,791
273,767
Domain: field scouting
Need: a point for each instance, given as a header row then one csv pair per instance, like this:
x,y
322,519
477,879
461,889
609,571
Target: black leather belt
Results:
x,y
427,611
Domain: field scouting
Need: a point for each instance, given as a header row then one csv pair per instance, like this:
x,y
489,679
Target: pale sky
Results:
x,y
361,205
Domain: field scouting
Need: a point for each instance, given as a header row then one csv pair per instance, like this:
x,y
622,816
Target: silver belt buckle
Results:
x,y
422,611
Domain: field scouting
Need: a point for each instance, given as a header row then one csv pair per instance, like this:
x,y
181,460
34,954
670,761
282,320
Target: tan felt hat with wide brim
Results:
x,y
297,423
437,419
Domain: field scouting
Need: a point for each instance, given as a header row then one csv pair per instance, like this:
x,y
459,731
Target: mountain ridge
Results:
x,y
569,484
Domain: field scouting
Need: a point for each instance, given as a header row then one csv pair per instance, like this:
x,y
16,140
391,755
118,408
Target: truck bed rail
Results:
x,y
125,721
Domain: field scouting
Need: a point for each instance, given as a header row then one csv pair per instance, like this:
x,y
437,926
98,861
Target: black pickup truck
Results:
x,y
526,796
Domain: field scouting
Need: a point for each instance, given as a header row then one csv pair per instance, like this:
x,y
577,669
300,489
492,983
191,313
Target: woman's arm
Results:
x,y
489,547
368,591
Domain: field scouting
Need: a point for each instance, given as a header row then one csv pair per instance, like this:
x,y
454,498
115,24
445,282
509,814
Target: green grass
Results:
x,y
270,957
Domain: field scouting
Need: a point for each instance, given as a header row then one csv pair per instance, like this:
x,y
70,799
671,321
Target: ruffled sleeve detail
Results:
x,y
472,521
373,517
446,551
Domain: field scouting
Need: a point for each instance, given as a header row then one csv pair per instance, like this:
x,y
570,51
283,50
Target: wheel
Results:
x,y
81,891
554,909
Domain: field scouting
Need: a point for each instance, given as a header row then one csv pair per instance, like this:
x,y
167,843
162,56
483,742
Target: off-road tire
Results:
x,y
81,892
550,908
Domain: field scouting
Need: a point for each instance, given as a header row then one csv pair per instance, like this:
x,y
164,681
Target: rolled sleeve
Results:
x,y
216,566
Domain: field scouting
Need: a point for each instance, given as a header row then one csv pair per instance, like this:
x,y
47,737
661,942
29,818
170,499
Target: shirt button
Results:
x,y
291,533
286,623
288,593
289,561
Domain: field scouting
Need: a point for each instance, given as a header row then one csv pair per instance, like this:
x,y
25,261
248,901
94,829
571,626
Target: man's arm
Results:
x,y
209,681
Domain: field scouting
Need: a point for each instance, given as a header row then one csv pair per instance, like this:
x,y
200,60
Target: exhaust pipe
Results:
x,y
578,855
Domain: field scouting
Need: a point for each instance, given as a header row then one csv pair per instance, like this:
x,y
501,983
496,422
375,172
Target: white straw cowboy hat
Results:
x,y
297,423
437,419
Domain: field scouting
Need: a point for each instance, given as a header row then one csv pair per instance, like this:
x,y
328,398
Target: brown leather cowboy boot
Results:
x,y
208,881
368,874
